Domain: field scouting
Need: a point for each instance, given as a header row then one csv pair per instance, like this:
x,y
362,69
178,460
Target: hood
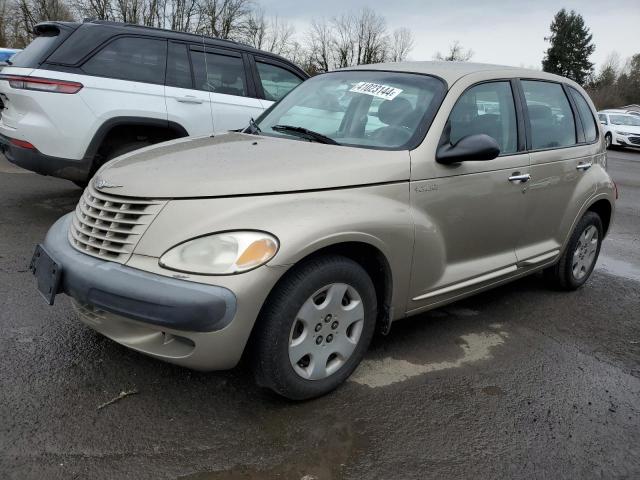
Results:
x,y
626,128
243,164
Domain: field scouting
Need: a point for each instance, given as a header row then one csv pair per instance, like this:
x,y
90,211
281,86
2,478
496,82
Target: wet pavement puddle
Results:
x,y
619,268
387,371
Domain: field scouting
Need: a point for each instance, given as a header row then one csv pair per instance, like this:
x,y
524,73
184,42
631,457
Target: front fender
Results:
x,y
303,223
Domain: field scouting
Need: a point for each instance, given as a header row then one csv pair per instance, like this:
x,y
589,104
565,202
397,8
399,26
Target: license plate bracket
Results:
x,y
48,274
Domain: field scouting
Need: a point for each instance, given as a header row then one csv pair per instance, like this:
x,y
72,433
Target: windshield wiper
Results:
x,y
304,133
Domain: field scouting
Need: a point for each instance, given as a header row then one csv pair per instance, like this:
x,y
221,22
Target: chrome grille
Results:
x,y
108,226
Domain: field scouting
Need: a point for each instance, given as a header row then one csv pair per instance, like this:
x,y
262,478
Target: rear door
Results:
x,y
186,105
223,73
562,152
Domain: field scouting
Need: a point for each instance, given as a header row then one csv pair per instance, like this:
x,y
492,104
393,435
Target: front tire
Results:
x,y
579,258
608,141
315,328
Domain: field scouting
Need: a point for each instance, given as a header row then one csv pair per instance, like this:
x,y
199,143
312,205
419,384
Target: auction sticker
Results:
x,y
376,90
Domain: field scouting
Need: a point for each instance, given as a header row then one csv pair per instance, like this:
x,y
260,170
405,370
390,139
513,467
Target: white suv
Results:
x,y
83,93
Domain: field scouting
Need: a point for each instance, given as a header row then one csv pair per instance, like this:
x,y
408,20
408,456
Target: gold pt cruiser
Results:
x,y
364,196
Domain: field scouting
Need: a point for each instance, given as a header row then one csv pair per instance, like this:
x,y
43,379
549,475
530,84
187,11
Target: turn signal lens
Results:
x,y
222,253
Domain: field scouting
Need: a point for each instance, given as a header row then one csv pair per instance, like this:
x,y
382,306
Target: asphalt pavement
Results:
x,y
518,382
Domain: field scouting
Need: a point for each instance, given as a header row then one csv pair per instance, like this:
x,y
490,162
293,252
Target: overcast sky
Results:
x,y
502,32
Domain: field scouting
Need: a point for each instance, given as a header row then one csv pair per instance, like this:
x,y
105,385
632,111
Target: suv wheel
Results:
x,y
579,259
315,328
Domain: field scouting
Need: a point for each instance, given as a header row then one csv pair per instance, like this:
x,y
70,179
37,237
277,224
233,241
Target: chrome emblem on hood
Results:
x,y
101,183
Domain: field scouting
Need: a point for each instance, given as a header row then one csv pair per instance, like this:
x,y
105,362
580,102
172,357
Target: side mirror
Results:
x,y
602,122
468,149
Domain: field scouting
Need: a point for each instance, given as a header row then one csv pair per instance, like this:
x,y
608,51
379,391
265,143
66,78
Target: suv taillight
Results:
x,y
42,84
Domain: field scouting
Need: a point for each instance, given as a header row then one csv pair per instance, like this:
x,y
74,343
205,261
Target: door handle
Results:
x,y
519,178
189,99
584,166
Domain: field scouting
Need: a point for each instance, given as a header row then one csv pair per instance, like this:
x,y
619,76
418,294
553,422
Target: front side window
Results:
x,y
220,74
603,118
550,115
368,109
628,120
276,81
487,109
130,58
586,117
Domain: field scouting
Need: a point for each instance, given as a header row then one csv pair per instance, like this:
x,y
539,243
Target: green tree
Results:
x,y
571,47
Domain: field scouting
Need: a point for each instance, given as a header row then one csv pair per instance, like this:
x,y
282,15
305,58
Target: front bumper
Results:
x,y
35,161
141,296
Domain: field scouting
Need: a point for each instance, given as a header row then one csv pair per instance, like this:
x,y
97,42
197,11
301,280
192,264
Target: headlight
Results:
x,y
619,132
221,253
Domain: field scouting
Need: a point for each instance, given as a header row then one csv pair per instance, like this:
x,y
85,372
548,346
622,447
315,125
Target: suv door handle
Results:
x,y
189,99
519,178
584,166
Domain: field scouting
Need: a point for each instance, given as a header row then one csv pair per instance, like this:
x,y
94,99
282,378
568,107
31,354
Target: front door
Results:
x,y
224,74
469,216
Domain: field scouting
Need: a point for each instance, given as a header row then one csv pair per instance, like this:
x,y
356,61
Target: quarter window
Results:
x,y
586,117
276,81
550,115
130,58
220,73
487,109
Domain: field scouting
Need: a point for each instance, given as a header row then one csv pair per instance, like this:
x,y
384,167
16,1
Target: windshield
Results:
x,y
369,109
628,120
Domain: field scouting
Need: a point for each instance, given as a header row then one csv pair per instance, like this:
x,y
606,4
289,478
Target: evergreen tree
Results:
x,y
570,48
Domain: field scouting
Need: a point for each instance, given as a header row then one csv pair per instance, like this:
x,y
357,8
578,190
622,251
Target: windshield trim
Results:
x,y
418,136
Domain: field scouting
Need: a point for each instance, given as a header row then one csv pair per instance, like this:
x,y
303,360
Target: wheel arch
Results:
x,y
157,125
371,258
604,210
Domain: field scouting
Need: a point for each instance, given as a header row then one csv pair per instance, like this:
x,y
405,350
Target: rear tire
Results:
x,y
314,328
579,258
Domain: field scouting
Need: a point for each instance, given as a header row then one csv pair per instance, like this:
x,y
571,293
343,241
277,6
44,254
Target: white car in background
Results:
x,y
620,129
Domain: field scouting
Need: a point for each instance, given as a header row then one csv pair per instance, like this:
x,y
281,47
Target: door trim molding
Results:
x,y
467,283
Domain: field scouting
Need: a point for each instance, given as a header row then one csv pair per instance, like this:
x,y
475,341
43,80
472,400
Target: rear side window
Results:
x,y
550,115
487,109
130,58
276,81
220,74
178,66
586,117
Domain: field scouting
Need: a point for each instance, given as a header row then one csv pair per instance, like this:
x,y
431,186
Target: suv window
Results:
x,y
178,66
550,115
486,108
603,118
586,117
130,58
221,73
276,81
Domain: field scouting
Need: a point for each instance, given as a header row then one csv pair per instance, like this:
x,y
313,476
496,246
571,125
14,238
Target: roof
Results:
x,y
453,71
